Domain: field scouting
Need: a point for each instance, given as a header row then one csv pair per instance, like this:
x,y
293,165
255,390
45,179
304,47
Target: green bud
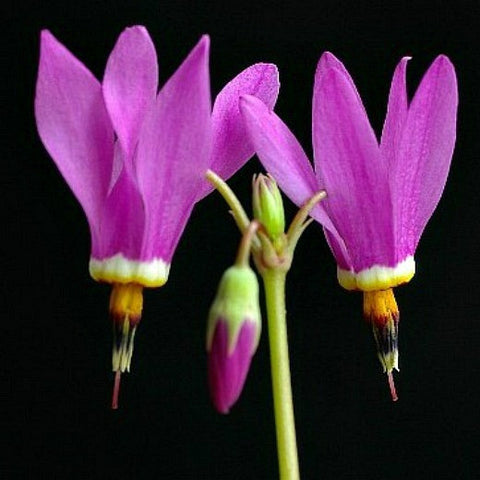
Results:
x,y
268,205
236,302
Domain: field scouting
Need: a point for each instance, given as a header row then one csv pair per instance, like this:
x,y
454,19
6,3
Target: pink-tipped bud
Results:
x,y
227,371
233,333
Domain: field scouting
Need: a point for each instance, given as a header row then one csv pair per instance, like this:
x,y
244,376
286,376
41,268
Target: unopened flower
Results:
x,y
135,159
268,205
233,332
380,195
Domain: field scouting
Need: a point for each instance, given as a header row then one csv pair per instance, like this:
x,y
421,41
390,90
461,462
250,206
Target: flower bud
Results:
x,y
233,332
268,205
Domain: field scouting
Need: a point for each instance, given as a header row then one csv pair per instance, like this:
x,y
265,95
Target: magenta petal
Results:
x,y
283,157
130,84
74,126
396,114
326,63
338,249
174,153
123,220
227,370
231,147
348,160
279,150
425,152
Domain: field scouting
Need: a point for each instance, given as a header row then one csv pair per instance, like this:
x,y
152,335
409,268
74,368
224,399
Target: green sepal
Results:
x,y
268,205
236,302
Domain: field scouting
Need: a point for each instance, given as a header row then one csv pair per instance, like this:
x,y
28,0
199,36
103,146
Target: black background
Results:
x,y
56,339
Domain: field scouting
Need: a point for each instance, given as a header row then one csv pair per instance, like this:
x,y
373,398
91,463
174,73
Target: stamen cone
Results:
x,y
126,302
381,310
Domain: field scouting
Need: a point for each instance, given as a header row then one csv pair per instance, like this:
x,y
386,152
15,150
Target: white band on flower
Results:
x,y
377,277
118,269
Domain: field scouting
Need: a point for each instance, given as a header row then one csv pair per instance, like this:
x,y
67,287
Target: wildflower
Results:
x,y
380,195
135,159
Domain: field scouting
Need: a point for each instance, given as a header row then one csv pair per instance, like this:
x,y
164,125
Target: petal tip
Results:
x,y
204,42
266,69
442,67
442,61
201,50
260,81
328,60
47,38
45,33
136,30
328,56
272,70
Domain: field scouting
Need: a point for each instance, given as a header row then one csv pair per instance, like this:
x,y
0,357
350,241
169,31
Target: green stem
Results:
x,y
274,283
243,254
300,222
241,218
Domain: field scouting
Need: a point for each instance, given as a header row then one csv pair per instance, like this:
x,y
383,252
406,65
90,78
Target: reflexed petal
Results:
x,y
326,63
347,159
425,152
281,154
338,249
231,147
123,220
130,84
283,157
278,150
396,114
74,126
174,152
227,370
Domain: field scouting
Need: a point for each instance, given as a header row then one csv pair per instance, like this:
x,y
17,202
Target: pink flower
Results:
x,y
380,195
134,158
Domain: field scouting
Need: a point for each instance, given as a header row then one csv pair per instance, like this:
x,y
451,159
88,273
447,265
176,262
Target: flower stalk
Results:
x,y
274,284
273,253
237,210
